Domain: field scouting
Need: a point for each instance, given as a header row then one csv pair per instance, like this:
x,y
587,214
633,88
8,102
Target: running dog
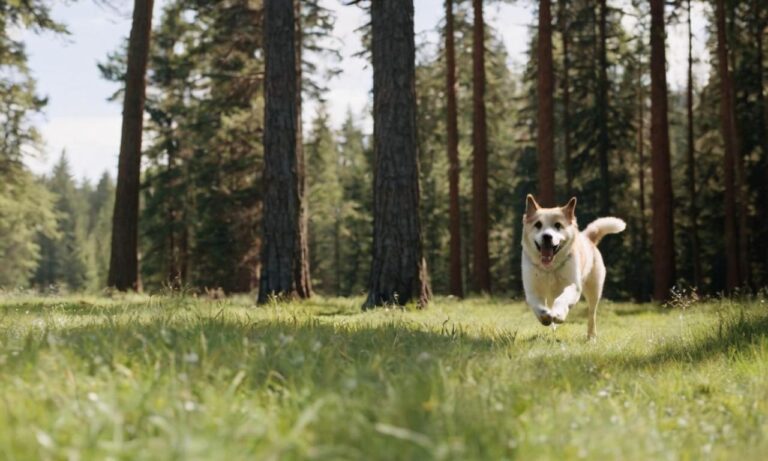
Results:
x,y
560,262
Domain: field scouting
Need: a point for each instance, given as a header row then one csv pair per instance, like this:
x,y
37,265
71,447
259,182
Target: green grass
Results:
x,y
181,378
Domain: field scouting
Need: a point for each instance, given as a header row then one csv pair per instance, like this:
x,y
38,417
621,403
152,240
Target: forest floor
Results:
x,y
183,378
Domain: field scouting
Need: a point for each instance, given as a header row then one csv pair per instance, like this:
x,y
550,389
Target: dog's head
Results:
x,y
548,233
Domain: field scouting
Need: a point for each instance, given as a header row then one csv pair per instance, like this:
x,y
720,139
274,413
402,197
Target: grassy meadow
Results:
x,y
160,378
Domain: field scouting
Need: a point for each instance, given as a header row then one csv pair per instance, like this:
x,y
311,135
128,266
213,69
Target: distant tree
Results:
x,y
398,271
26,206
124,266
100,228
26,213
282,252
64,259
546,110
356,178
481,276
326,200
456,280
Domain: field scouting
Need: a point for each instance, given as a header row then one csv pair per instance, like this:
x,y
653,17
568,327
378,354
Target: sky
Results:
x,y
80,119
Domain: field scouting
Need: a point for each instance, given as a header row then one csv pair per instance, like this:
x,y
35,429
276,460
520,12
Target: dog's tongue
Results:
x,y
547,255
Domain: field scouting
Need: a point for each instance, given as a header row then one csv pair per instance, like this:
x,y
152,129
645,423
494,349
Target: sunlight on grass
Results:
x,y
143,377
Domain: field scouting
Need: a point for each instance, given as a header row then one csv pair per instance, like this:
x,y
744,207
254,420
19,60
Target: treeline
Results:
x,y
590,115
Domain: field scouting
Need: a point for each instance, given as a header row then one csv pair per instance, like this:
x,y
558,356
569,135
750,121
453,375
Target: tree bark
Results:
x,y
398,270
282,251
481,276
741,181
603,138
663,224
566,88
124,262
728,127
303,278
546,113
642,292
691,157
456,287
760,24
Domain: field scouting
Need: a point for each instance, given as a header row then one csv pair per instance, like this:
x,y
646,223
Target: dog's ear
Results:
x,y
530,206
569,210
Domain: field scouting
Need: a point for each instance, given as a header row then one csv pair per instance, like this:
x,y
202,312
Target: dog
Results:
x,y
560,263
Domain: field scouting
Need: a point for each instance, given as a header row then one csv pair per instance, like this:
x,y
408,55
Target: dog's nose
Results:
x,y
545,319
546,238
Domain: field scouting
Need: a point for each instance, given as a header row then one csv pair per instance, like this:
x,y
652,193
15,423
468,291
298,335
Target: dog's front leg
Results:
x,y
570,296
539,309
532,284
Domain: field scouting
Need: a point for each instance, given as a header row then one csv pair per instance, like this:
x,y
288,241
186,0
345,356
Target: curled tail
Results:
x,y
601,227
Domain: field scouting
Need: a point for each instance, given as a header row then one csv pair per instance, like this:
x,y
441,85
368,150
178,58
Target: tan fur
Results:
x,y
577,268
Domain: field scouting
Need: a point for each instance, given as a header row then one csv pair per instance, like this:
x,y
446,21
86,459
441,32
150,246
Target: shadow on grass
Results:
x,y
309,349
733,333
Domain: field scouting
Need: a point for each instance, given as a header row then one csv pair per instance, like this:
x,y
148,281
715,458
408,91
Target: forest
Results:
x,y
226,186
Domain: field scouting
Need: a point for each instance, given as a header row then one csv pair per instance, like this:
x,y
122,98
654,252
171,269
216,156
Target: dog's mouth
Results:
x,y
547,251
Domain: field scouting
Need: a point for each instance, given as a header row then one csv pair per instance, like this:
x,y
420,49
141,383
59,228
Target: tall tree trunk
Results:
x,y
173,276
692,208
481,277
282,245
760,24
566,88
337,253
642,292
456,287
546,114
124,259
740,180
728,126
398,271
301,266
603,139
663,224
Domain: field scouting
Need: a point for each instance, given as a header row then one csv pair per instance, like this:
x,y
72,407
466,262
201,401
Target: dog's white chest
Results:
x,y
549,284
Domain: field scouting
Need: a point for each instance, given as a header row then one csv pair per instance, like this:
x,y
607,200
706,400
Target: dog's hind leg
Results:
x,y
592,302
593,291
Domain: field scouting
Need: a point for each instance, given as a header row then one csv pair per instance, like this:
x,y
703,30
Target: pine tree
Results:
x,y
398,272
728,124
546,109
124,266
456,279
602,108
663,224
326,201
26,214
356,178
283,244
64,260
691,157
26,207
481,279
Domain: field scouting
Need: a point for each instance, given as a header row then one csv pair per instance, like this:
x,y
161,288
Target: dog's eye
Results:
x,y
537,225
558,226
